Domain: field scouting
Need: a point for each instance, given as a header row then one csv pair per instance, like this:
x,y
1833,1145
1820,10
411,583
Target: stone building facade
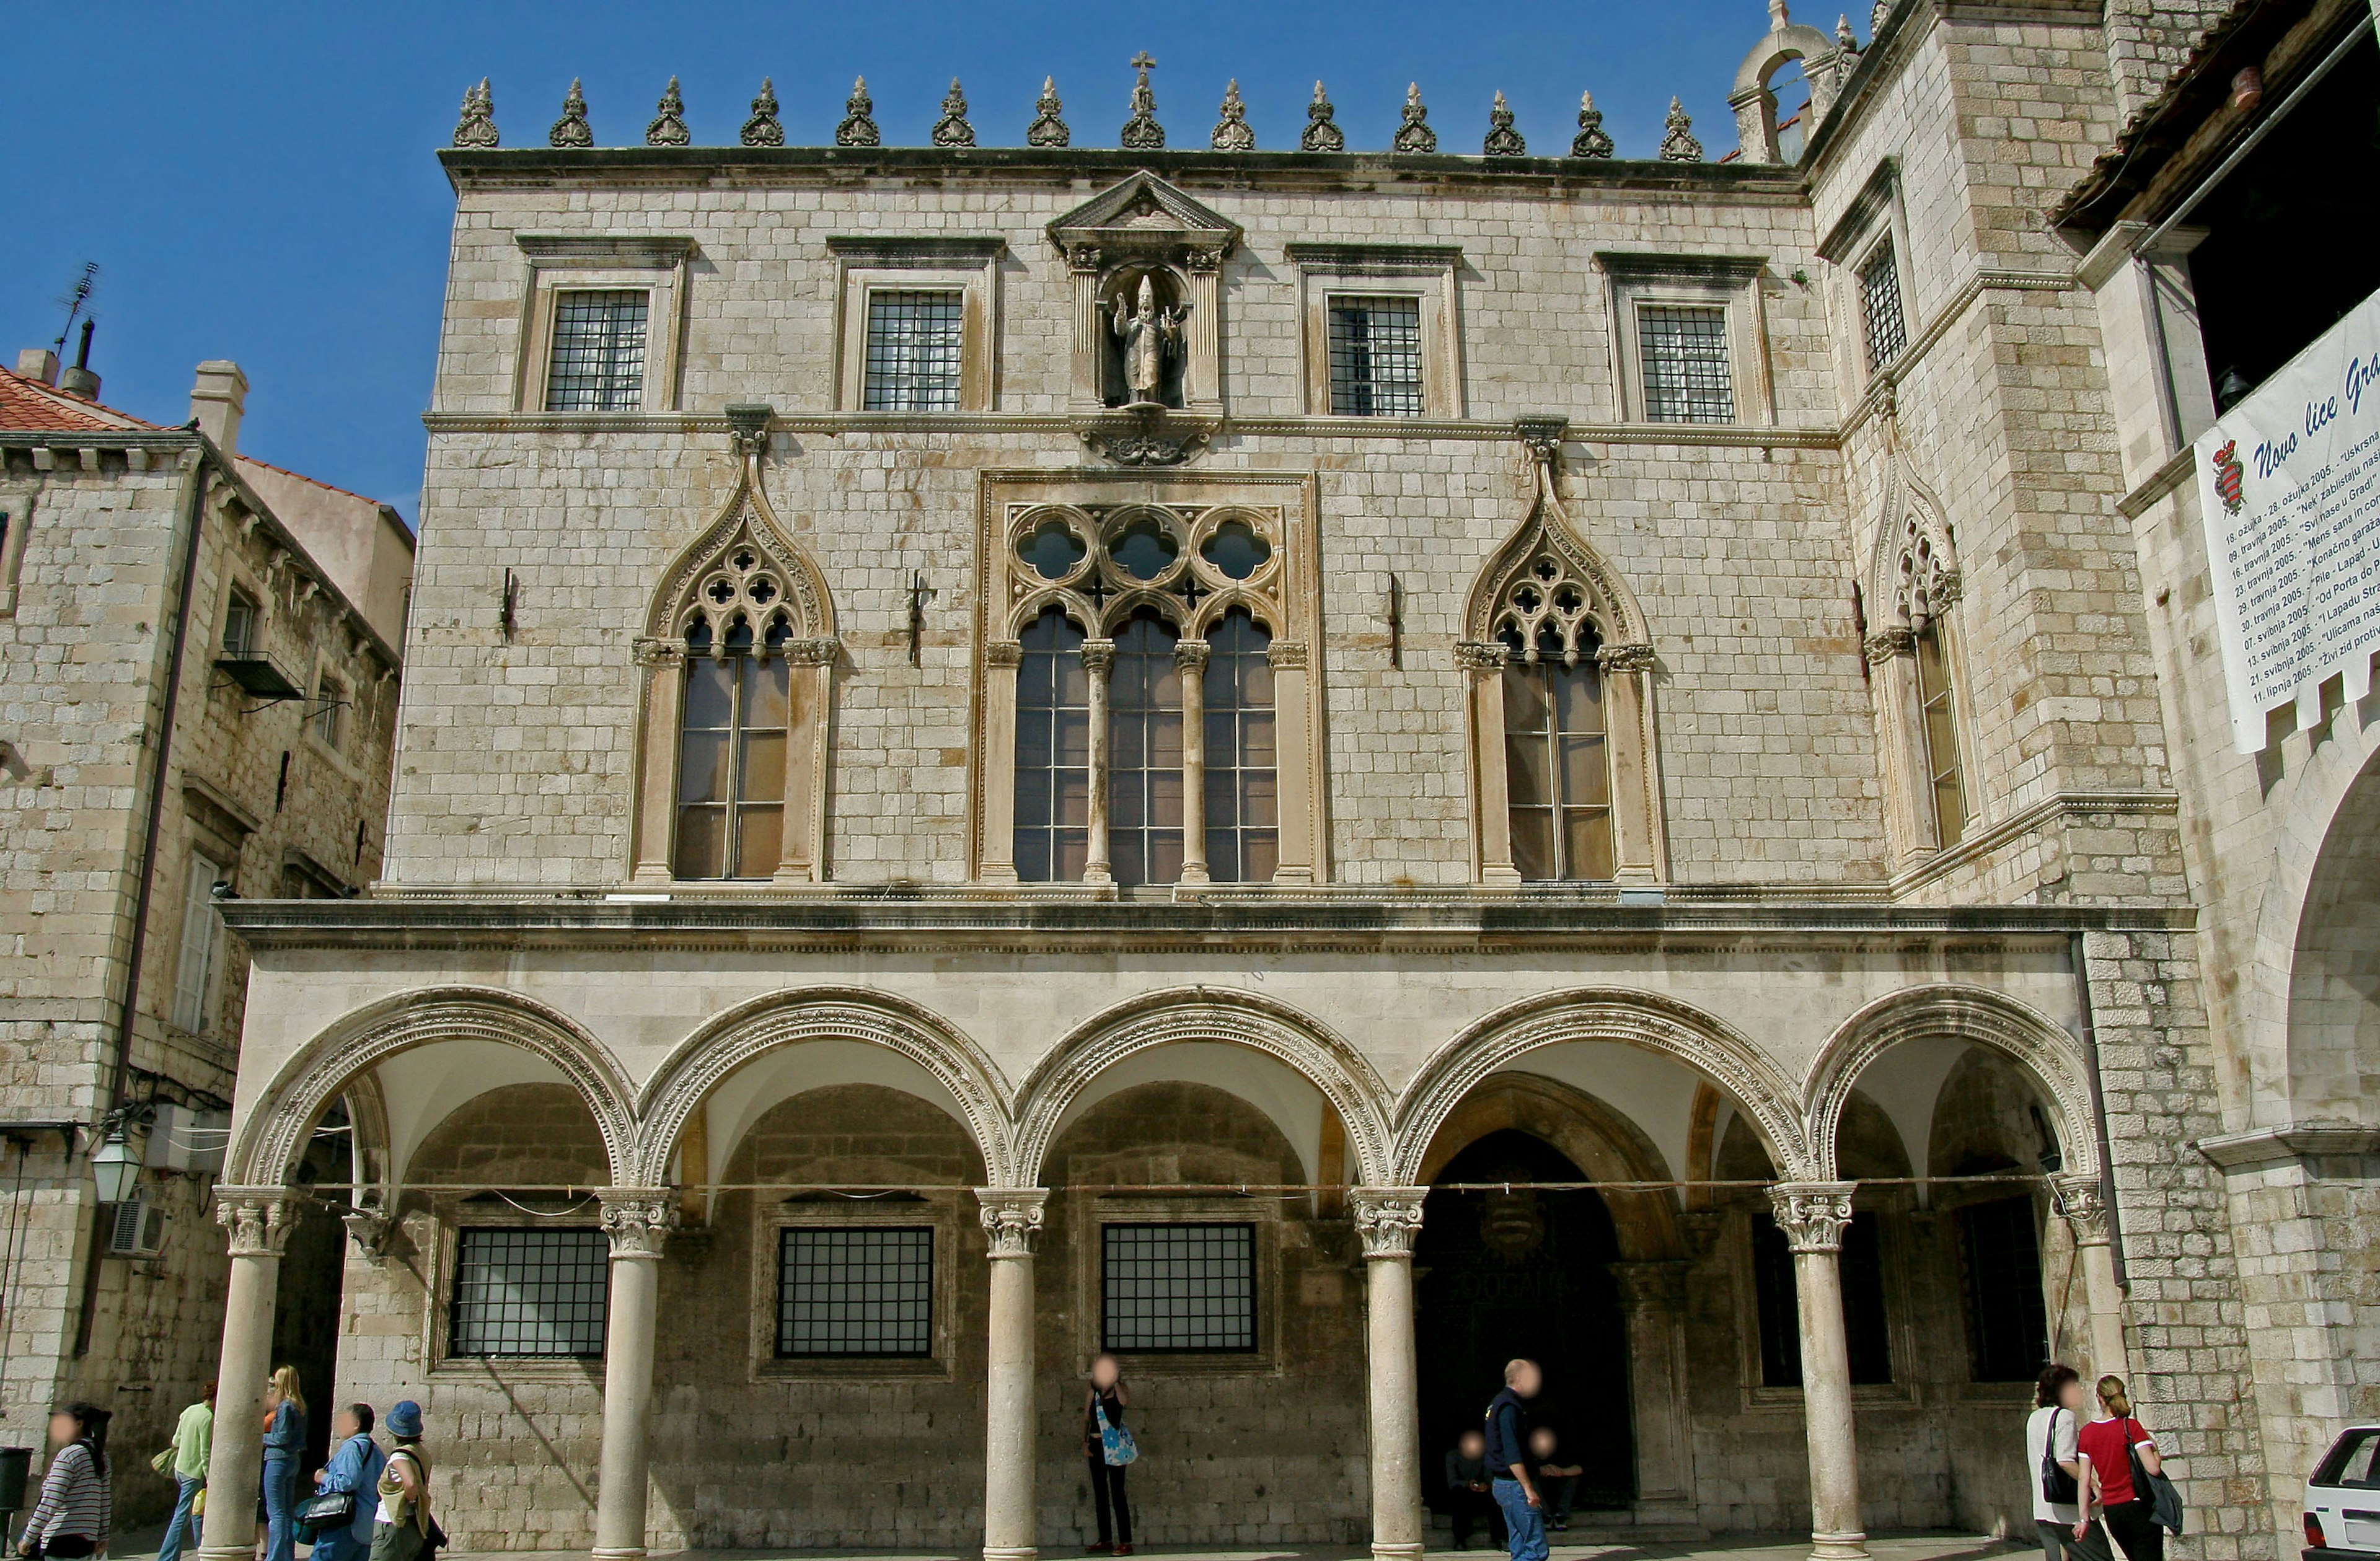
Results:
x,y
198,688
1310,767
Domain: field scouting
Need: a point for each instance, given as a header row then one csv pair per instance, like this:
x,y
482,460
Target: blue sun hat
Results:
x,y
405,1420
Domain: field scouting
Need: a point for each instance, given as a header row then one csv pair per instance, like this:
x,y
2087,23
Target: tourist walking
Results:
x,y
1469,1495
353,1472
194,1440
77,1496
2112,1443
284,1449
2061,1479
1509,1472
1109,1447
401,1524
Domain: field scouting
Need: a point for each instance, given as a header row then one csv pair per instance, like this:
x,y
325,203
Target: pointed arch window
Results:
x,y
1243,775
1913,659
1556,761
1054,751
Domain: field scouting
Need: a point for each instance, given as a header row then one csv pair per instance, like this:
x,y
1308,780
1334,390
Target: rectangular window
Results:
x,y
1178,1288
1684,350
913,351
194,980
240,627
1557,769
1861,1266
2007,1323
1376,358
854,1292
329,716
1243,786
1145,755
598,352
1053,753
1941,739
529,1293
731,781
1888,332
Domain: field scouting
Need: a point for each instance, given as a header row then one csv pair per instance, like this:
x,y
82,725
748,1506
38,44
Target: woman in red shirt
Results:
x,y
2108,1443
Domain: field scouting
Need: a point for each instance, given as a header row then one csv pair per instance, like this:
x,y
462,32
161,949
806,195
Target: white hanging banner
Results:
x,y
2288,489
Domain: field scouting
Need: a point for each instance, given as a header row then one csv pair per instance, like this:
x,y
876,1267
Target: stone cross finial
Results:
x,y
951,129
858,128
1321,133
762,128
1679,145
1414,134
668,128
1503,139
1142,132
1592,140
477,127
572,130
1047,128
1232,132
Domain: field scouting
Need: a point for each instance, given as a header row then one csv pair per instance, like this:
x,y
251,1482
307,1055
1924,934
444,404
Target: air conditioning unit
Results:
x,y
182,1139
136,1229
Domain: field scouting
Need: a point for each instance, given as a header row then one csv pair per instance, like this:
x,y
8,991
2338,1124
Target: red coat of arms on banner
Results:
x,y
2230,477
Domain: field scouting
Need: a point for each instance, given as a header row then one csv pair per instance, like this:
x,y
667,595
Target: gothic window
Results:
x,y
1376,349
326,722
1879,287
1911,654
1683,353
914,351
1242,774
1557,775
1053,753
598,361
1145,754
731,791
1939,722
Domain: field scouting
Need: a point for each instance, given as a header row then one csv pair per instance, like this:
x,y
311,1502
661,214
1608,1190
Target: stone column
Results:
x,y
1011,1217
258,1219
1091,327
1389,1218
1485,665
1293,734
1190,660
1812,1215
997,851
1652,1297
664,664
638,1220
1202,375
1636,827
2083,1201
1099,664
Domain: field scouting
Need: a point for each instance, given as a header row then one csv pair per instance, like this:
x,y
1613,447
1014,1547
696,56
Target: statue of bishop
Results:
x,y
1148,334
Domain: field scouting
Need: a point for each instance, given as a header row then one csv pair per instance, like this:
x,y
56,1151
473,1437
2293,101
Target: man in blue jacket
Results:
x,y
354,1469
1510,1474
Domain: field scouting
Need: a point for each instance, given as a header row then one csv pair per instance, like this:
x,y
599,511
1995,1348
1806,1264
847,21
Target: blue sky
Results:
x,y
257,182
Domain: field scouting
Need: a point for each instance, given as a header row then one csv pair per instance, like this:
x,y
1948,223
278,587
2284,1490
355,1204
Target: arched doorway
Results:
x,y
1501,1273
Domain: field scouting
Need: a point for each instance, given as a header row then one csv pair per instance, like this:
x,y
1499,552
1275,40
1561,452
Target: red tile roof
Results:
x,y
28,404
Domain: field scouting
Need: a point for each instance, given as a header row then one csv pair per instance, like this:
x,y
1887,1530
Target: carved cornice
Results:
x,y
638,1220
1811,1213
1388,1218
258,1218
1011,1217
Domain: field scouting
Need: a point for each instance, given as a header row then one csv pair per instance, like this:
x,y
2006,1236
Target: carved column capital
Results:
x,y
1190,655
1202,259
1480,656
1811,1213
1098,657
1003,653
1885,644
1656,1285
258,1219
1286,655
1636,658
638,1220
1389,1218
1011,1215
650,650
819,652
1083,257
2082,1199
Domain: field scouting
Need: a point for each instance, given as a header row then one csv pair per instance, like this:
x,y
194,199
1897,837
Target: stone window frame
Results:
x,y
1087,1215
1425,271
660,266
869,264
450,1215
1875,217
1914,586
1290,605
937,1208
1753,1395
16,519
1728,283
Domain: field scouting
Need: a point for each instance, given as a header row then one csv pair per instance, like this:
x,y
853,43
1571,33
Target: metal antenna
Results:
x,y
73,299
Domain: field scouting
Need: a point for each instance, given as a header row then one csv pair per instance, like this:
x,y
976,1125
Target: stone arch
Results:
x,y
2037,1044
1547,536
272,1130
1755,103
828,1013
1913,574
1599,1139
1206,1015
1704,1045
2333,962
747,522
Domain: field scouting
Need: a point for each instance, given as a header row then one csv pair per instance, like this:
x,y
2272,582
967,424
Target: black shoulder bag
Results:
x,y
2057,1488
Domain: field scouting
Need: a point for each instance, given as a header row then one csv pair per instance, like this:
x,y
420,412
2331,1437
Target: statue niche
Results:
x,y
1144,309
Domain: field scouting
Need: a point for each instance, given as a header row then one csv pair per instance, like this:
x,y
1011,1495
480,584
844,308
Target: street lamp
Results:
x,y
114,1168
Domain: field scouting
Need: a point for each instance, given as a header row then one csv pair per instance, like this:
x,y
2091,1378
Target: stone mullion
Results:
x,y
996,852
1652,1299
808,684
1099,664
1485,663
1893,656
1637,814
2083,1203
1190,656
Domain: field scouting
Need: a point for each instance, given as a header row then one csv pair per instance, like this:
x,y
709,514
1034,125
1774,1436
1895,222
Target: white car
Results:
x,y
2342,1499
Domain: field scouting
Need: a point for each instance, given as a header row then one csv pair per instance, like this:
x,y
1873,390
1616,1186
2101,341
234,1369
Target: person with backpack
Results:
x,y
402,1527
2061,1480
354,1473
2125,1458
1109,1448
78,1498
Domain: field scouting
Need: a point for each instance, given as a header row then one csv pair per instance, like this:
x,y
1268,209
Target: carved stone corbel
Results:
x,y
371,1228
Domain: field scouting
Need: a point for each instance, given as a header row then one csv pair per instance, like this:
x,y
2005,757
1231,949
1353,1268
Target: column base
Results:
x,y
605,1553
1010,1553
1838,1547
1384,1550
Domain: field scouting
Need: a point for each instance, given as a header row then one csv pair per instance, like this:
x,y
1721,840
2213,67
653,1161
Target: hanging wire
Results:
x,y
584,1193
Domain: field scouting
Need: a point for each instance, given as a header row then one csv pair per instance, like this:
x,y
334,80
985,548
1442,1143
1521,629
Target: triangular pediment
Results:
x,y
1141,210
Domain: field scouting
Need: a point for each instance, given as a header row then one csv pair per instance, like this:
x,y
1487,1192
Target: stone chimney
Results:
x,y
38,364
216,401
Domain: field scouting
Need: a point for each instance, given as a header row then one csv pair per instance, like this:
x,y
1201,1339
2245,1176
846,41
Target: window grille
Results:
x,y
864,1292
914,352
1053,753
1376,358
731,785
1683,351
240,627
2007,1323
1243,773
1935,710
1556,765
529,1293
598,352
194,980
1145,755
1888,332
1178,1288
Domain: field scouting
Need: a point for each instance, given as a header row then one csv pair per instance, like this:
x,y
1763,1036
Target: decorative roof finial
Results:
x,y
1232,132
572,130
951,129
1503,139
1322,134
1679,145
1876,20
1048,129
1592,140
1142,132
858,128
1846,44
477,127
668,128
762,128
1777,17
1414,134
